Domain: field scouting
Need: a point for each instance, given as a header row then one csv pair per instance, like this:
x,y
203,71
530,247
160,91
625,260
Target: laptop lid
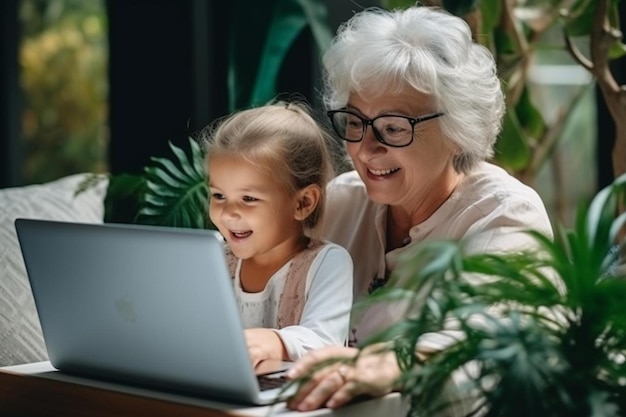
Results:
x,y
140,304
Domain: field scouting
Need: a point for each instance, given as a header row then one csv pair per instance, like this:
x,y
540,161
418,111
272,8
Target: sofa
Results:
x,y
21,340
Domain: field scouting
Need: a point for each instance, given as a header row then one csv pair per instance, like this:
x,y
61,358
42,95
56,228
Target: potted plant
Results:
x,y
538,333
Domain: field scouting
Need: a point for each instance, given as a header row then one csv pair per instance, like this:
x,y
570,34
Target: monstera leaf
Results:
x,y
176,191
172,192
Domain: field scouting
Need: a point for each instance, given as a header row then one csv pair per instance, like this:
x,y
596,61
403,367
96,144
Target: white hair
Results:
x,y
431,51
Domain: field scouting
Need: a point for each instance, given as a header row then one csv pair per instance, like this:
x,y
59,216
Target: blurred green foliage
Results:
x,y
63,66
173,192
255,62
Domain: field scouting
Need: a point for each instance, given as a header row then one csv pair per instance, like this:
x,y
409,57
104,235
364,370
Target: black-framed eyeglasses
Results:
x,y
390,130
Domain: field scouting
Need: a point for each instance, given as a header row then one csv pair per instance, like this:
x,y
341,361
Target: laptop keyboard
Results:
x,y
271,381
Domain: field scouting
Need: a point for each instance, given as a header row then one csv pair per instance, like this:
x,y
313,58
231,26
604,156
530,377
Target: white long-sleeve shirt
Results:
x,y
328,300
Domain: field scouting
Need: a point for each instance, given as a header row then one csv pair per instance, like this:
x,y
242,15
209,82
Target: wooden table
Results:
x,y
36,390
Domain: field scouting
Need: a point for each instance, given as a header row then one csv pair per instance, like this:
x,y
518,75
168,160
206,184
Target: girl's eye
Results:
x,y
249,199
217,196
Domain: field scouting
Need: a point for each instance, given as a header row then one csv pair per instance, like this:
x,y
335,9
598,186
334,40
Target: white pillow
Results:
x,y
21,340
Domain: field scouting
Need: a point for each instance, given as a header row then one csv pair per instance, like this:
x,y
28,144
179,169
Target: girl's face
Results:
x,y
251,211
412,177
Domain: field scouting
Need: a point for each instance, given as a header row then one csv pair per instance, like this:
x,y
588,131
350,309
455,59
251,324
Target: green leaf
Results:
x,y
512,150
185,163
197,158
247,35
90,180
317,16
159,175
257,51
490,11
176,192
529,116
617,51
287,22
579,21
123,197
456,7
601,212
580,16
397,4
460,7
506,45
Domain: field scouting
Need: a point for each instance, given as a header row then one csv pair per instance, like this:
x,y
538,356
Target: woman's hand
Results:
x,y
264,344
375,372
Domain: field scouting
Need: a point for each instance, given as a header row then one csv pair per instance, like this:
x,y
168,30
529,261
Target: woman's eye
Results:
x,y
352,123
395,130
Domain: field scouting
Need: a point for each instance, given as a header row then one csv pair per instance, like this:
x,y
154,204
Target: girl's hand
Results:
x,y
264,344
375,372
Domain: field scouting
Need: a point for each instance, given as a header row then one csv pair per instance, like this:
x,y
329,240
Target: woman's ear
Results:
x,y
307,200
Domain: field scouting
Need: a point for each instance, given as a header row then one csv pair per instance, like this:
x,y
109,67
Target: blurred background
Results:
x,y
95,85
103,85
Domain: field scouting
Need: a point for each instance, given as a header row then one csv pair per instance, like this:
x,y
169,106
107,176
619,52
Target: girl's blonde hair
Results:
x,y
281,139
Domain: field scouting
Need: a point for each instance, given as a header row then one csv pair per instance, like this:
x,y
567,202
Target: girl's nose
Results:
x,y
230,210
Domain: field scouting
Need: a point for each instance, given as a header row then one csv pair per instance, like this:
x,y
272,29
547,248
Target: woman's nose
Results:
x,y
369,145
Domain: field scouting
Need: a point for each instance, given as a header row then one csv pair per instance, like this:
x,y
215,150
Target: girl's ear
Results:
x,y
307,199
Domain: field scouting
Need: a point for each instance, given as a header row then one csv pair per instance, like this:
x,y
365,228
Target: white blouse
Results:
x,y
488,212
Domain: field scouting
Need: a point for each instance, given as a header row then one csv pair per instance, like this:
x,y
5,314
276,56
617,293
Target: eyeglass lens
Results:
x,y
393,130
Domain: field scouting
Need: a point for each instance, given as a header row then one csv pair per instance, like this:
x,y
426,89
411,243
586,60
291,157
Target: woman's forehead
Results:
x,y
407,100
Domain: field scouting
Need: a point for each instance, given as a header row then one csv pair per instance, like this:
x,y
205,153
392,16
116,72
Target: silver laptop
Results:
x,y
143,305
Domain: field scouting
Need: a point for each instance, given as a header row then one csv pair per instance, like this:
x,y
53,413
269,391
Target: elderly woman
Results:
x,y
419,106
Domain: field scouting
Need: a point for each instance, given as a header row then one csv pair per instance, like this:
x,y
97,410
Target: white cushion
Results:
x,y
21,340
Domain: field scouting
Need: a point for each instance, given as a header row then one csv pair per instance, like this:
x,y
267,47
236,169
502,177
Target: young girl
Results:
x,y
267,169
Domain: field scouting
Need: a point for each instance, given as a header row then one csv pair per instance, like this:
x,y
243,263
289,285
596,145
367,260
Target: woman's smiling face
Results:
x,y
410,176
